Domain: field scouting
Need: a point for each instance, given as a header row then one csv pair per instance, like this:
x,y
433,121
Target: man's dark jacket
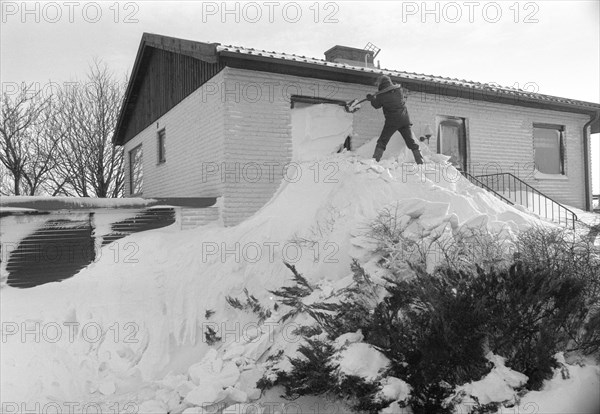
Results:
x,y
394,105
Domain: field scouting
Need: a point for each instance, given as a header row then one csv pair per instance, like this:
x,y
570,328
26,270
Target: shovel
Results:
x,y
354,105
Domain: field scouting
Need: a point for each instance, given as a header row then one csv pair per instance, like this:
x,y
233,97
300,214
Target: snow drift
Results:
x,y
132,331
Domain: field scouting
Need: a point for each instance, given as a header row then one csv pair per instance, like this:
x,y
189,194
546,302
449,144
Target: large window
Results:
x,y
549,148
136,171
162,155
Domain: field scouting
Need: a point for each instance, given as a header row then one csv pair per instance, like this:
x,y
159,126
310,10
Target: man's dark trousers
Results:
x,y
388,130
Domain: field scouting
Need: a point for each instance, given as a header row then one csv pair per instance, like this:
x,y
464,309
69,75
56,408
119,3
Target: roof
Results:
x,y
215,52
462,83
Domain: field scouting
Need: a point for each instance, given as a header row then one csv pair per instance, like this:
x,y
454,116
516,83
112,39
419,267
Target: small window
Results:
x,y
136,170
549,148
162,156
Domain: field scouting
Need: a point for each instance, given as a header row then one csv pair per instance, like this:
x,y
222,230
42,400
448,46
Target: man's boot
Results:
x,y
418,156
378,153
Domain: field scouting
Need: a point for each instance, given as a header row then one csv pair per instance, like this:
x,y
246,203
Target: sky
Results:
x,y
548,46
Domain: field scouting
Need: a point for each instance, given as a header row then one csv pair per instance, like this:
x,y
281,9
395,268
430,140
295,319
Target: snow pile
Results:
x,y
319,129
571,383
153,310
54,203
362,360
496,387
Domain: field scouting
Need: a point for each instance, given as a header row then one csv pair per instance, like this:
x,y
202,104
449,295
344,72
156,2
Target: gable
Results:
x,y
166,78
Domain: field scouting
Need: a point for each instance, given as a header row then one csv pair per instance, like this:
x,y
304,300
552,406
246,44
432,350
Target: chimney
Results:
x,y
350,56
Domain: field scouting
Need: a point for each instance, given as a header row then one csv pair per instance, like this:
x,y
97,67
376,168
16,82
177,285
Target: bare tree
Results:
x,y
88,164
27,151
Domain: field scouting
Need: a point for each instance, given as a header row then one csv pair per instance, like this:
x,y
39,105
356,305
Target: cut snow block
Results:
x,y
319,130
225,375
477,222
434,215
236,395
414,208
206,394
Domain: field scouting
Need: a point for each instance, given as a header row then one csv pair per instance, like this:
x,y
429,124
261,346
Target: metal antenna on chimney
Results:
x,y
372,48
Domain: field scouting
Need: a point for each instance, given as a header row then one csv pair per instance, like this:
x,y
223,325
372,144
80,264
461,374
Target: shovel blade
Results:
x,y
353,106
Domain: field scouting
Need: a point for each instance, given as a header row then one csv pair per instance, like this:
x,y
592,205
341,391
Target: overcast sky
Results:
x,y
551,47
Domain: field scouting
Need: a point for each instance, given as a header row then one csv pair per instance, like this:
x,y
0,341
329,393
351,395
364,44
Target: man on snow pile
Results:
x,y
391,98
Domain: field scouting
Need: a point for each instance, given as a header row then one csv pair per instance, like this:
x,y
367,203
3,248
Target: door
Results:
x,y
452,140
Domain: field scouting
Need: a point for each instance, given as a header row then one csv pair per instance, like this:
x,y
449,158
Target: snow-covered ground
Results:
x,y
127,333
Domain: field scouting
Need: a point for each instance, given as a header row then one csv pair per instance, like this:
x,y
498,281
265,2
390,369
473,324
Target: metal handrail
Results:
x,y
479,183
570,218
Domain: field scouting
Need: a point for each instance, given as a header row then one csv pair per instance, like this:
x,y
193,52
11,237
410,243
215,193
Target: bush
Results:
x,y
436,329
311,373
561,253
468,247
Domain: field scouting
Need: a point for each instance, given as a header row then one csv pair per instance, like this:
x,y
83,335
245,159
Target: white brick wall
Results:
x,y
241,120
258,130
500,139
194,146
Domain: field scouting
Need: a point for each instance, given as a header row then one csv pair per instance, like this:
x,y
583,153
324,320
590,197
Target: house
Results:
x,y
208,120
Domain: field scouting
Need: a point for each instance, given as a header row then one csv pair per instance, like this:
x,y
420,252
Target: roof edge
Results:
x,y
198,50
518,97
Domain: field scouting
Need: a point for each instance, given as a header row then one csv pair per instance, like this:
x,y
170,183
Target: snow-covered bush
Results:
x,y
401,239
437,330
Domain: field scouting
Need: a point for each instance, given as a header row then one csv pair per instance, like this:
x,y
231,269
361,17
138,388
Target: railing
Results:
x,y
519,192
479,183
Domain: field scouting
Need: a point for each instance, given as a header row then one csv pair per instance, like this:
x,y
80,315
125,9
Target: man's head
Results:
x,y
383,82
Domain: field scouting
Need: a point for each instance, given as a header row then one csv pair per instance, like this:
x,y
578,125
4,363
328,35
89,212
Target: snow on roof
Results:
x,y
463,83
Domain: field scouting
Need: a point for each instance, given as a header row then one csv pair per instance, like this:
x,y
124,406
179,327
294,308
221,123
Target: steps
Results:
x,y
514,191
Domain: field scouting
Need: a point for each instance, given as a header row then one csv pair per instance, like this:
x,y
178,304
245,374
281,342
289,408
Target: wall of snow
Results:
x,y
318,130
258,130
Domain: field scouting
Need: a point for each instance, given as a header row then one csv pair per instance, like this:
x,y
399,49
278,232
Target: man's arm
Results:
x,y
374,102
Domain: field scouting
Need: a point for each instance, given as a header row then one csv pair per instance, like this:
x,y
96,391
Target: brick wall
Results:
x,y
258,131
194,148
232,137
500,139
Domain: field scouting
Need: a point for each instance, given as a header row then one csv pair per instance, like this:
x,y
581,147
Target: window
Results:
x,y
136,171
549,148
162,135
452,140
